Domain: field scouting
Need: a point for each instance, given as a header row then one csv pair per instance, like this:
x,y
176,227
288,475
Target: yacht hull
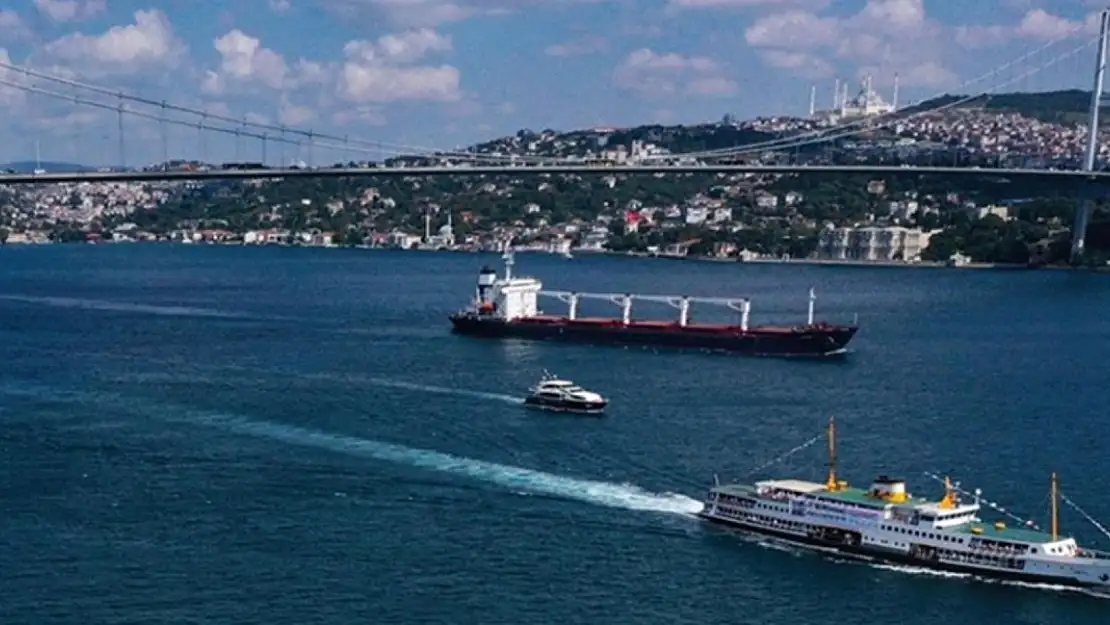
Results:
x,y
565,405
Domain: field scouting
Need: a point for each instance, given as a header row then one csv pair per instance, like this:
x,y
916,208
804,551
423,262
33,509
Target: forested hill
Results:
x,y
1070,106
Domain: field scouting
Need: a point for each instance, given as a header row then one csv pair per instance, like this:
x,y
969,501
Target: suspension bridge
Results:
x,y
1079,162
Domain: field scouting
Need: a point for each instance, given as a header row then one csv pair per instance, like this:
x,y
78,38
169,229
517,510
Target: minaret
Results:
x,y
427,225
867,86
836,95
894,97
844,98
812,100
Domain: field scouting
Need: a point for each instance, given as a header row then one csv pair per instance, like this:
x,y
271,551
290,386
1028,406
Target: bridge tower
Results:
x,y
1087,206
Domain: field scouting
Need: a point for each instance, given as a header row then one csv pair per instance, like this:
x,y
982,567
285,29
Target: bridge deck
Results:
x,y
385,172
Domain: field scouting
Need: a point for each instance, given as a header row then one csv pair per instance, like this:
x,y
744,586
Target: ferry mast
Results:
x,y
831,483
1055,507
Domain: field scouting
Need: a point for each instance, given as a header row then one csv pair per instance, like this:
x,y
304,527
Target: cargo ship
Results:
x,y
507,307
885,522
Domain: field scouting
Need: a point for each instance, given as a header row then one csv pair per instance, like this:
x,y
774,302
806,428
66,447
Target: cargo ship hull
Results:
x,y
821,341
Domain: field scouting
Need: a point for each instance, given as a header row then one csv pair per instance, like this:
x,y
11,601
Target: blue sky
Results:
x,y
441,73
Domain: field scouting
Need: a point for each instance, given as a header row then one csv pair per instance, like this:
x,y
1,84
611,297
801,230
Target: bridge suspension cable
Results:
x,y
175,122
762,147
375,146
863,125
372,147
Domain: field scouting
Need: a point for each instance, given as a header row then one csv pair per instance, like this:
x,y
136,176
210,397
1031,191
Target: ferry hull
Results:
x,y
820,341
896,557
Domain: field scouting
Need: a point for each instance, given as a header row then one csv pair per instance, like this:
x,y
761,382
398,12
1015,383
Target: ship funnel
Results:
x,y
889,489
486,279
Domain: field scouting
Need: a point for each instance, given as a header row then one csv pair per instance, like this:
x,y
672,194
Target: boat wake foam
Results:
x,y
443,390
801,550
626,496
95,304
916,570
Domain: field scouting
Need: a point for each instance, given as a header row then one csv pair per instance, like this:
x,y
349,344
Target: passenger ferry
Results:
x,y
886,523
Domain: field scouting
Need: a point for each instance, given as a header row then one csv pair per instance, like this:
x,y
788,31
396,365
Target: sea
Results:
x,y
241,435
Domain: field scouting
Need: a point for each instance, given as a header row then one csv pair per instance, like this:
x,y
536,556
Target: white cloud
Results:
x,y
801,63
246,63
280,6
10,97
743,4
405,47
897,34
1040,24
244,60
70,10
711,86
293,115
385,70
148,42
929,74
654,74
407,13
1036,24
12,26
359,116
978,37
432,13
577,47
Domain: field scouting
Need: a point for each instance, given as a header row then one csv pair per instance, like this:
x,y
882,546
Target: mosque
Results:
x,y
867,102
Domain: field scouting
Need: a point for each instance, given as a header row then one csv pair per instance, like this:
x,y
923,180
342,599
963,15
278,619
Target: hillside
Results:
x,y
1065,107
584,143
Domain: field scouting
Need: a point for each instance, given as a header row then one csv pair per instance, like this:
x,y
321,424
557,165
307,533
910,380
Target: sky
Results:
x,y
391,75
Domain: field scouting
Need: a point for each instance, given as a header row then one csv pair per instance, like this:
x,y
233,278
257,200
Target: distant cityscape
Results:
x,y
897,228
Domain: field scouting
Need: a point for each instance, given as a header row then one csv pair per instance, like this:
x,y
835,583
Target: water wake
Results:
x,y
150,309
625,496
443,390
607,494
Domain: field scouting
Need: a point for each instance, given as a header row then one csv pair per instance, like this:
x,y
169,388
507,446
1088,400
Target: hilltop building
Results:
x,y
866,103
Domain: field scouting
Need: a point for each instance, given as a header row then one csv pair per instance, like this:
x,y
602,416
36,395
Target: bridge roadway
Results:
x,y
383,172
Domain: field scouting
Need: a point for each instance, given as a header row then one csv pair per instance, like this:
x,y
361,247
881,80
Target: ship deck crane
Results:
x,y
681,302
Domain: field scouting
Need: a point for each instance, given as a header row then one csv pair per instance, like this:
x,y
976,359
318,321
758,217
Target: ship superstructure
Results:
x,y
508,307
886,522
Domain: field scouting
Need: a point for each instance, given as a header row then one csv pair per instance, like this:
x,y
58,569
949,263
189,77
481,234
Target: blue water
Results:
x,y
256,435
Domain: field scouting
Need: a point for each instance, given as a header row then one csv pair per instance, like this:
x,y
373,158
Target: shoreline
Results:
x,y
862,264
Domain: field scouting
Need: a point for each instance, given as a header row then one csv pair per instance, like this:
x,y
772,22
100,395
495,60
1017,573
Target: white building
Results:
x,y
867,103
892,243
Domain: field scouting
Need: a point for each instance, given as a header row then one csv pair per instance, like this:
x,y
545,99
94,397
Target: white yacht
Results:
x,y
553,393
